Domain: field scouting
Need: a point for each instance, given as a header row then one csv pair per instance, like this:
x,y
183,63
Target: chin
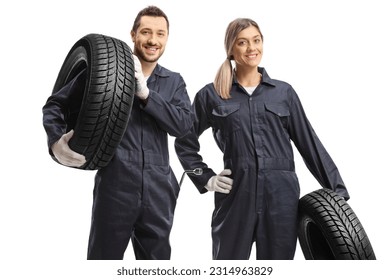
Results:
x,y
253,64
152,58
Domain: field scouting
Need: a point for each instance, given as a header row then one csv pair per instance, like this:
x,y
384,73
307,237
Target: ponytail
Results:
x,y
223,80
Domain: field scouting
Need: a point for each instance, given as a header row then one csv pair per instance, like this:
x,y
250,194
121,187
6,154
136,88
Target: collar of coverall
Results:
x,y
264,80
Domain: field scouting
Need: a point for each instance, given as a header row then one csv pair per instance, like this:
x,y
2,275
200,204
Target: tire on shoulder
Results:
x,y
330,230
99,116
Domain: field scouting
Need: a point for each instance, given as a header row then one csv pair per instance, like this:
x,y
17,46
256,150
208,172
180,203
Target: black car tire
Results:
x,y
99,116
329,229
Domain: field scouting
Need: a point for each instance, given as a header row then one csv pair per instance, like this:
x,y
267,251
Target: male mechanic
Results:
x,y
135,194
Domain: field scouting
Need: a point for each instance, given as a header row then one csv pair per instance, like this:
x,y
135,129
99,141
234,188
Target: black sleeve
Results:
x,y
314,154
187,147
175,115
57,108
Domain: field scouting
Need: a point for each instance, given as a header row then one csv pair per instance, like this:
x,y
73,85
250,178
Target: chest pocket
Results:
x,y
226,118
277,115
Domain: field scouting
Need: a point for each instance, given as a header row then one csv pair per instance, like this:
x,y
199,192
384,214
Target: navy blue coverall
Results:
x,y
254,133
135,194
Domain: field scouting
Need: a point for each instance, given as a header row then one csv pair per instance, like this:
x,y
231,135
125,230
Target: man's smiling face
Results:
x,y
150,38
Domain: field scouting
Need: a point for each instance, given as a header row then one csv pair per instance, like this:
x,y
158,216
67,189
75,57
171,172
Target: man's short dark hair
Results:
x,y
152,11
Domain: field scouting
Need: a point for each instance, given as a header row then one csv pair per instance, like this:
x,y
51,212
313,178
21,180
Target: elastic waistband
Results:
x,y
141,157
276,164
262,163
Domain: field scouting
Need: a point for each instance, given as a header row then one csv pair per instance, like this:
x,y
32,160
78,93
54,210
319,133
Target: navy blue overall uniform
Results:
x,y
135,194
254,133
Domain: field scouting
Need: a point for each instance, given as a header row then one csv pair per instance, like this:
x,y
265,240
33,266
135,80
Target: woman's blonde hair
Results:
x,y
224,78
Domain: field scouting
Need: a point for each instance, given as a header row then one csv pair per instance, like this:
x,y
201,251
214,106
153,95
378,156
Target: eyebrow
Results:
x,y
150,29
257,36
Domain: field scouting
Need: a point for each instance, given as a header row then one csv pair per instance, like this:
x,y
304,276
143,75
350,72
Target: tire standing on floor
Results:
x,y
330,230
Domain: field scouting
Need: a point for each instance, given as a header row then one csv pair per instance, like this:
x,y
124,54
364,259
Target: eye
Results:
x,y
241,43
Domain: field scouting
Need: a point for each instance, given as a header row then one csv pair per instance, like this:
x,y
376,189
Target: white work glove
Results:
x,y
64,154
220,183
142,90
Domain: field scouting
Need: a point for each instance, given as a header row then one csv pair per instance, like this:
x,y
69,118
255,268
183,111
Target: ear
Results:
x,y
132,34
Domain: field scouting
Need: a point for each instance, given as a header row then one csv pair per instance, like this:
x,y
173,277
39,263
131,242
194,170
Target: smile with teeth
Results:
x,y
151,49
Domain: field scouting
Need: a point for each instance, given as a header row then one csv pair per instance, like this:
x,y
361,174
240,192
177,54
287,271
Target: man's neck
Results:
x,y
148,67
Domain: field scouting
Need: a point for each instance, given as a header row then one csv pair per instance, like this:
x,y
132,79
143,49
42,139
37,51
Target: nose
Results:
x,y
152,39
251,46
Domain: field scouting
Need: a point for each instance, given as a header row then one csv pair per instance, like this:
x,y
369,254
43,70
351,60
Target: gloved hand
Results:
x,y
220,183
64,154
142,90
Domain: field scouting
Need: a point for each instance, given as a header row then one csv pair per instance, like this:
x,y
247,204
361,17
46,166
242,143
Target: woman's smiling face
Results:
x,y
248,48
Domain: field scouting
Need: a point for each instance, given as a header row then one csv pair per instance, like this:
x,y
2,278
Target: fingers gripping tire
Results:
x,y
100,116
330,230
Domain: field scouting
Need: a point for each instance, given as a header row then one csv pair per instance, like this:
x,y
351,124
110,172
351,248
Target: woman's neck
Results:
x,y
248,77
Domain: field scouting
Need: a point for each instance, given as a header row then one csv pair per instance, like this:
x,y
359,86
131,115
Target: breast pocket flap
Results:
x,y
278,109
225,110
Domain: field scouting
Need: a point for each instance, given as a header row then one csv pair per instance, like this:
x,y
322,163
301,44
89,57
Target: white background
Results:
x,y
334,53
